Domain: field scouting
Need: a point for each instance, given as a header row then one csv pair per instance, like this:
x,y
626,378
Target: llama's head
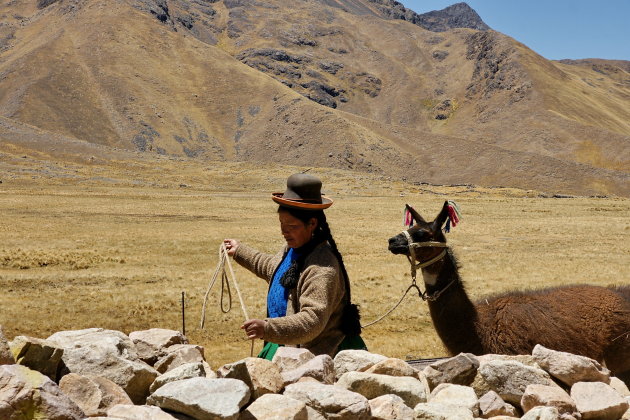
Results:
x,y
421,231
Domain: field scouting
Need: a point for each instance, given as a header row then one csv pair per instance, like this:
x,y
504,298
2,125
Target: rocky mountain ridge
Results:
x,y
458,15
330,83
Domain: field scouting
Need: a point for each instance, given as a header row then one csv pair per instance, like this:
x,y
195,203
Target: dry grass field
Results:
x,y
84,246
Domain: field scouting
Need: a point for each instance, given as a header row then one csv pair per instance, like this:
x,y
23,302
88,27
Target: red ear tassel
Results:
x,y
452,215
407,218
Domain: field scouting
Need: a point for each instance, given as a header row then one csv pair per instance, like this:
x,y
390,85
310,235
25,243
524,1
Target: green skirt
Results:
x,y
268,351
354,342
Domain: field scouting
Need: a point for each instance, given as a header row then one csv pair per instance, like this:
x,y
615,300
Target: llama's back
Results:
x,y
579,319
623,291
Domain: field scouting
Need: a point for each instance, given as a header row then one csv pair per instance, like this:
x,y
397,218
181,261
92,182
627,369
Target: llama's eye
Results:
x,y
418,237
421,233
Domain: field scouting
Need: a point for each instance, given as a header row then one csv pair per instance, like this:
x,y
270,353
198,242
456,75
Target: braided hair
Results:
x,y
351,318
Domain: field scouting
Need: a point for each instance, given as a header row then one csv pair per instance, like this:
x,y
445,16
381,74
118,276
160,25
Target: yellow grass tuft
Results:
x,y
73,260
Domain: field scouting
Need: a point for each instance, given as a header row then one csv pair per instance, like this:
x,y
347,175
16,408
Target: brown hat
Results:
x,y
303,192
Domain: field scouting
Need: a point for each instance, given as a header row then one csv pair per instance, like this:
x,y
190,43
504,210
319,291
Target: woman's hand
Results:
x,y
231,245
254,328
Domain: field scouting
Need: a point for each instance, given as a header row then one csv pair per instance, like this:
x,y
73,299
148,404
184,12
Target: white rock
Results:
x,y
179,354
372,385
542,413
393,367
597,400
309,379
314,414
289,358
492,405
202,398
331,401
105,418
526,359
459,370
619,386
321,368
510,378
260,375
93,394
460,395
6,357
550,396
109,354
390,407
151,344
275,407
99,339
570,368
37,354
24,391
480,385
138,412
429,411
355,361
134,376
185,371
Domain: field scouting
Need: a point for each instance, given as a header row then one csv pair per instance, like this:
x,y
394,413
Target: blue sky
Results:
x,y
555,29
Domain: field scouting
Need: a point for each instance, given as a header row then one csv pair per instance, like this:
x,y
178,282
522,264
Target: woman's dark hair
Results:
x,y
351,322
322,232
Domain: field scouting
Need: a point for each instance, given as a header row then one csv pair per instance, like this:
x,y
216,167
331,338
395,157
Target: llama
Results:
x,y
588,320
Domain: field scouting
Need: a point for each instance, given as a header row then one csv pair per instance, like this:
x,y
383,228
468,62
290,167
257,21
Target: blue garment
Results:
x,y
278,295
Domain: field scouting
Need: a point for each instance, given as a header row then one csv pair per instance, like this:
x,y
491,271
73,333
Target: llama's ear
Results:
x,y
441,218
415,214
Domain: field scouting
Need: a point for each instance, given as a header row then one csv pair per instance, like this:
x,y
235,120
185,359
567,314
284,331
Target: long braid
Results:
x,y
351,319
326,234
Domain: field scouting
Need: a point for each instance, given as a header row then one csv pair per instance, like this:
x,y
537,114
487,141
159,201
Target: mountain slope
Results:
x,y
307,83
461,82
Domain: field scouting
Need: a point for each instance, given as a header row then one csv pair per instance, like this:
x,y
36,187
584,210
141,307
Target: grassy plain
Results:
x,y
85,246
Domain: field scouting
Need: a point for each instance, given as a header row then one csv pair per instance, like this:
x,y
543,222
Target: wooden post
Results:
x,y
183,315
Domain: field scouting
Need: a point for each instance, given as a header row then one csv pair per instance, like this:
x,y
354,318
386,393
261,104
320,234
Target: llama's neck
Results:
x,y
453,313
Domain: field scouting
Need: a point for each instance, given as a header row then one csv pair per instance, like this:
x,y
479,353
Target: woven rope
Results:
x,y
412,286
223,257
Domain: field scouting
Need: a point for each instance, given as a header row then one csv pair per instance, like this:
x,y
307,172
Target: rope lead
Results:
x,y
225,284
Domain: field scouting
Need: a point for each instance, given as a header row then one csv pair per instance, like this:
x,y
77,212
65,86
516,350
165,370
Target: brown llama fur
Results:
x,y
588,320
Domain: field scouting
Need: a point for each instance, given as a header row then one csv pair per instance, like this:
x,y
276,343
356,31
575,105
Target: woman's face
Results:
x,y
296,232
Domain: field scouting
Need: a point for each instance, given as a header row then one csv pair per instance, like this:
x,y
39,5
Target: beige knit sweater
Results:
x,y
314,307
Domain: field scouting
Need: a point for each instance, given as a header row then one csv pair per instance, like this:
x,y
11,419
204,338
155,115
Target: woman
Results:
x,y
308,300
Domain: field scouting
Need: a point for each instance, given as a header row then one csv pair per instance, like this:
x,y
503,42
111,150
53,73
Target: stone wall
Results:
x,y
157,374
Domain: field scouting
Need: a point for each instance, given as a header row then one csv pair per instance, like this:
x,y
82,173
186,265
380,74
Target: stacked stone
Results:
x,y
157,375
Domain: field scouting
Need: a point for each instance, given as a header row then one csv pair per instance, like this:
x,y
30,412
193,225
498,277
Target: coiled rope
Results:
x,y
225,285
